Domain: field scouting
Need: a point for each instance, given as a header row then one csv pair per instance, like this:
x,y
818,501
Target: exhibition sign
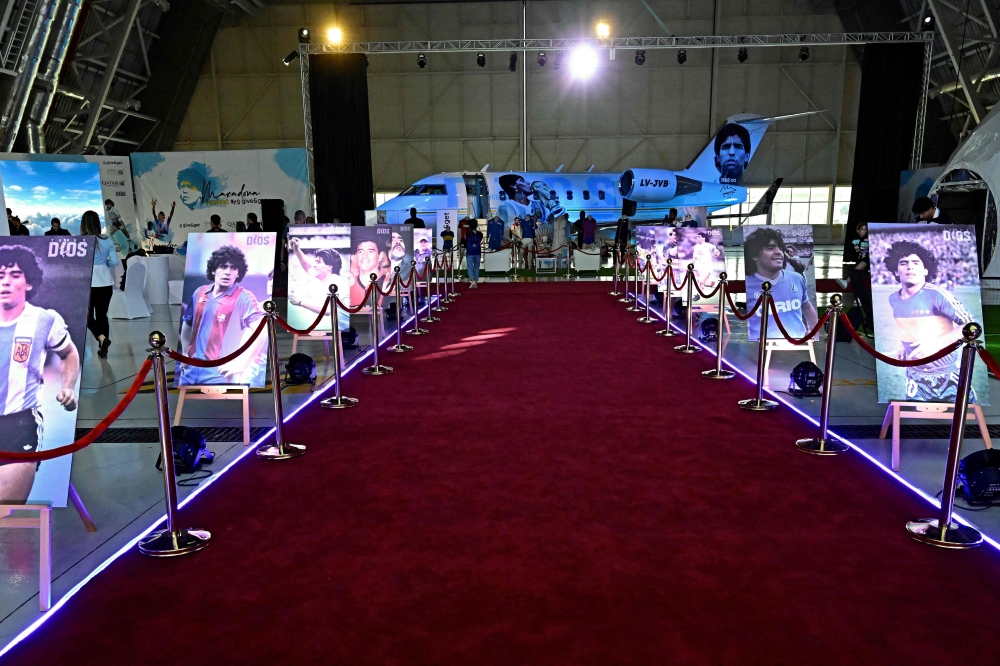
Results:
x,y
925,288
44,297
189,187
227,278
37,192
114,182
318,256
783,256
379,250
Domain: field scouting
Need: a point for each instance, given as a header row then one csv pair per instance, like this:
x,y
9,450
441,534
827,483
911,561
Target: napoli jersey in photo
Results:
x,y
789,293
24,346
930,301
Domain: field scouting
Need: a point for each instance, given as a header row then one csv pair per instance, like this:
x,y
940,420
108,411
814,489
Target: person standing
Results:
x,y
18,229
528,227
927,212
252,223
861,276
55,229
216,223
101,283
414,220
473,252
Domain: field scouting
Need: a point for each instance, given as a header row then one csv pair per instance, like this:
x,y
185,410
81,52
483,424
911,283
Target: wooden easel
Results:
x,y
42,523
218,392
316,336
782,345
940,411
706,308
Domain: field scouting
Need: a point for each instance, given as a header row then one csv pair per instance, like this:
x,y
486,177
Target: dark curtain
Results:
x,y
887,115
338,86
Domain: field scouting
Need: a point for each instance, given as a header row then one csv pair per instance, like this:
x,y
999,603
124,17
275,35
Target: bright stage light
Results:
x,y
603,29
334,35
582,62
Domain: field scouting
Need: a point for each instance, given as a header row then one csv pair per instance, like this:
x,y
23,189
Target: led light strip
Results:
x,y
30,629
932,500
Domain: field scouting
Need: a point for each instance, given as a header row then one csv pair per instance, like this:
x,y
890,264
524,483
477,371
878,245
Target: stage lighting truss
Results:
x,y
640,57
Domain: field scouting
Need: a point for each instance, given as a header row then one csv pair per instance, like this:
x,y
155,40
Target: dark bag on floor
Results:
x,y
300,369
190,451
349,338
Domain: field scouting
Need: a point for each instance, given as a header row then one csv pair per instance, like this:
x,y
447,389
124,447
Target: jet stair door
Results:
x,y
478,194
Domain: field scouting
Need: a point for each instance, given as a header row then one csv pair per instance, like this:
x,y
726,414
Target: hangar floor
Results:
x,y
123,491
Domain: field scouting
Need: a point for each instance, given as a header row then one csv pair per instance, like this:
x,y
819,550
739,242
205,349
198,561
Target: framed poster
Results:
x,y
38,191
44,297
227,278
925,288
783,256
318,256
379,250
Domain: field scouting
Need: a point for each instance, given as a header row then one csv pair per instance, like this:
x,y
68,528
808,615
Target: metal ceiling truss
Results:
x,y
646,43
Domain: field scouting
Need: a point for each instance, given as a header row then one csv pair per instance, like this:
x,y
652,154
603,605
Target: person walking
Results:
x,y
473,252
101,283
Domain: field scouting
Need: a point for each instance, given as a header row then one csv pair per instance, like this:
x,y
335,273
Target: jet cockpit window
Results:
x,y
433,189
410,191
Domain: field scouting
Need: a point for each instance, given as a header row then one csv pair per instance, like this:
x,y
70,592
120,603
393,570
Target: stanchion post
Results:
x,y
376,369
428,267
414,300
687,347
399,346
667,298
646,319
172,540
449,283
635,287
760,403
338,401
943,531
719,372
615,269
437,285
625,297
280,450
822,445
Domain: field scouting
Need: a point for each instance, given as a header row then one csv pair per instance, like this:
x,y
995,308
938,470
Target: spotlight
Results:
x,y
804,53
421,60
927,23
742,55
334,35
806,380
640,57
303,35
481,59
513,62
287,60
682,57
603,29
541,59
582,62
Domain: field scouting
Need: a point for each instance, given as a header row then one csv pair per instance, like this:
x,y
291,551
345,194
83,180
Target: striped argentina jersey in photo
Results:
x,y
24,345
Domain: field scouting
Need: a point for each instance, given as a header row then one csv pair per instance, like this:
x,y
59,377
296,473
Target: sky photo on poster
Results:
x,y
38,191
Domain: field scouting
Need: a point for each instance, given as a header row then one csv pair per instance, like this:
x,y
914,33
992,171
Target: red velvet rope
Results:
x,y
590,253
991,364
392,286
736,310
703,294
360,306
201,363
809,335
309,329
678,287
504,246
936,356
95,432
545,250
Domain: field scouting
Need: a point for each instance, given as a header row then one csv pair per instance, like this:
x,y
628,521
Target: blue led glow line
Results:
x,y
30,629
753,380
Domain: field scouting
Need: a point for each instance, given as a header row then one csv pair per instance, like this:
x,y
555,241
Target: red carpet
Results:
x,y
566,492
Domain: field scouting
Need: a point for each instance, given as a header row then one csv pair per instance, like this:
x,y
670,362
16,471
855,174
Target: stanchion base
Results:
x,y
286,452
822,447
429,319
164,544
635,308
625,299
718,374
666,333
343,403
417,331
956,537
376,370
687,349
646,320
611,293
755,405
440,308
399,348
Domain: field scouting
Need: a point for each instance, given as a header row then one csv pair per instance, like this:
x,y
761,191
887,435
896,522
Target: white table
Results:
x,y
157,275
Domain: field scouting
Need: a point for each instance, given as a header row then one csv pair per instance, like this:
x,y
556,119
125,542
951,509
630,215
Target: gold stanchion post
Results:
x,y
172,540
687,347
646,319
760,403
399,347
667,298
634,300
437,286
376,369
822,445
280,450
719,372
943,531
415,302
338,401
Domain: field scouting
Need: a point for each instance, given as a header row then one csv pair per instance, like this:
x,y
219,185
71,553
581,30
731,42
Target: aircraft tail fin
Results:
x,y
725,158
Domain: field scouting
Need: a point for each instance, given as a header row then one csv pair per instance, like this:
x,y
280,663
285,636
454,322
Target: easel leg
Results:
x,y
983,429
180,405
886,422
74,498
812,352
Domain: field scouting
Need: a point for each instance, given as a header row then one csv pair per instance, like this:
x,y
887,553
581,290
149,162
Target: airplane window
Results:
x,y
569,195
434,189
586,195
412,189
600,194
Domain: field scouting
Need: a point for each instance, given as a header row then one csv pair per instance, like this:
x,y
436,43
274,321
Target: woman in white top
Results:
x,y
102,282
